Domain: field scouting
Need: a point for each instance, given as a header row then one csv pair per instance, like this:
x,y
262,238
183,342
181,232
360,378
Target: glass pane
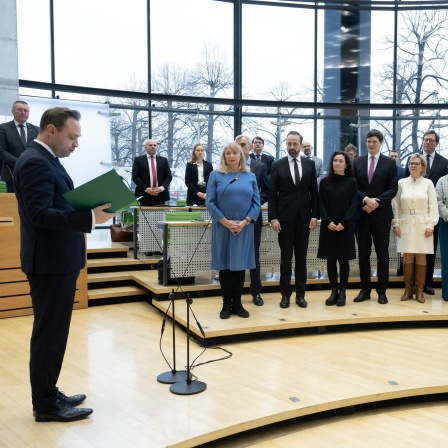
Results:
x,y
101,43
276,63
192,47
33,35
382,57
422,74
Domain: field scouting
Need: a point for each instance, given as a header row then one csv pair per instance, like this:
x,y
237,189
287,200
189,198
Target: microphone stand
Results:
x,y
173,376
187,386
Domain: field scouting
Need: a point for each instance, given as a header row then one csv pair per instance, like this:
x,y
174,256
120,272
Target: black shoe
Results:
x,y
225,312
301,302
284,303
382,299
428,290
149,254
341,298
333,297
238,309
62,412
258,301
363,295
73,401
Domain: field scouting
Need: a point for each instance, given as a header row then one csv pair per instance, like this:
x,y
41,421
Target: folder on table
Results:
x,y
109,187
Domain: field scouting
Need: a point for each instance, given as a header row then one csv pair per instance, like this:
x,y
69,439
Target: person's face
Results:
x,y
64,142
245,146
20,112
293,145
232,158
351,154
394,155
373,145
258,146
429,143
339,164
307,148
151,147
415,167
199,152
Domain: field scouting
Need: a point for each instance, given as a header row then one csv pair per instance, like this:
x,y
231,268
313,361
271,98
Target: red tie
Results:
x,y
371,168
154,173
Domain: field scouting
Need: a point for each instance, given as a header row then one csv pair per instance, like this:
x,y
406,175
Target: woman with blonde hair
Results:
x,y
197,173
233,200
415,215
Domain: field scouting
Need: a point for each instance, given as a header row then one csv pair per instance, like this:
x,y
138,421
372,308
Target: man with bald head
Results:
x,y
152,176
307,149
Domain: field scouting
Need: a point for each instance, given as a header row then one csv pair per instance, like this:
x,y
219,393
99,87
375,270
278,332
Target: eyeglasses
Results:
x,y
429,140
414,164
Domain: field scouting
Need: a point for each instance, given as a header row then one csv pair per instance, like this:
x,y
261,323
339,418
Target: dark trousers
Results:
x,y
9,187
293,239
52,298
344,272
379,233
431,258
232,283
255,278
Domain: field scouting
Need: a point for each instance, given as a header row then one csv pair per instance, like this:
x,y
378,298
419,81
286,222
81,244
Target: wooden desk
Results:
x,y
6,222
15,299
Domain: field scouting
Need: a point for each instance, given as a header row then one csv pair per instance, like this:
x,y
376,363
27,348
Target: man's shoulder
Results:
x,y
268,156
440,157
8,125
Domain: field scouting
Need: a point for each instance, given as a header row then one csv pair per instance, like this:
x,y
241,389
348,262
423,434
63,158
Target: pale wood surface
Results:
x,y
113,356
271,317
410,426
14,289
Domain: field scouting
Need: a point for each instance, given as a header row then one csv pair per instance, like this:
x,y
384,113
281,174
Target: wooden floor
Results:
x,y
113,356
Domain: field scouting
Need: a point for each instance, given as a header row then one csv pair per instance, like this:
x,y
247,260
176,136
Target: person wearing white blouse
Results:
x,y
415,215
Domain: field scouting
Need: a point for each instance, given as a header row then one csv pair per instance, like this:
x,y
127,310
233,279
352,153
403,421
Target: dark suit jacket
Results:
x,y
260,171
400,171
142,180
285,199
267,159
191,181
11,146
439,168
384,185
51,235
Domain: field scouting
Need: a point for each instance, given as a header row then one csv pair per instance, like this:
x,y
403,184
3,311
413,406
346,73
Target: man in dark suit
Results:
x,y
438,167
293,210
377,186
259,169
400,170
52,253
15,136
260,156
152,176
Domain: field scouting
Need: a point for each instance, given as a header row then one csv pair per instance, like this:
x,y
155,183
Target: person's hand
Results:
x,y
275,224
332,226
339,227
238,226
313,224
371,204
154,191
100,215
397,231
428,233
